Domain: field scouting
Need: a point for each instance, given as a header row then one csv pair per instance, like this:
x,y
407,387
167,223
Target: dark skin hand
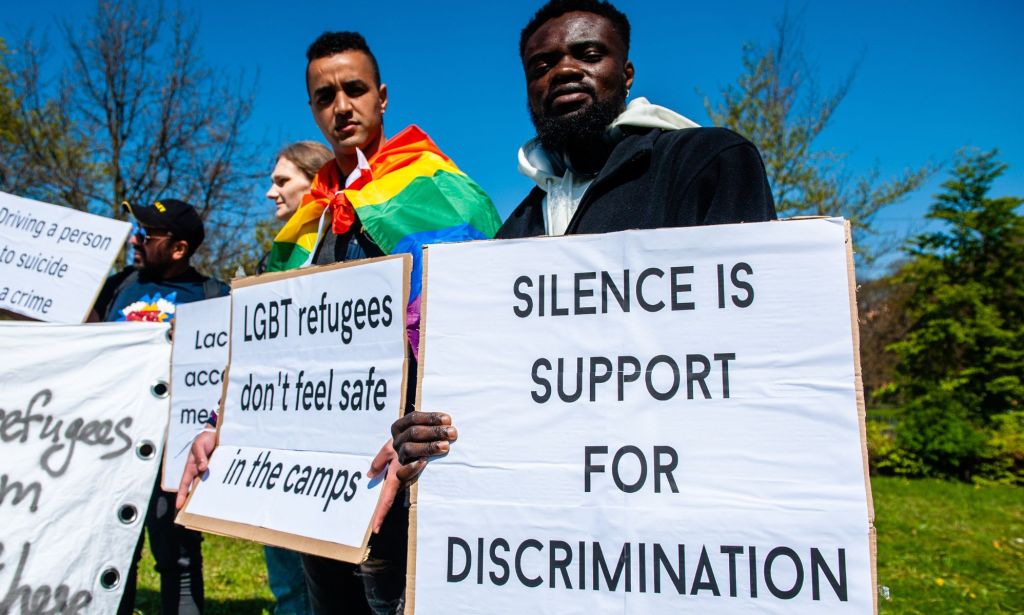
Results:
x,y
419,435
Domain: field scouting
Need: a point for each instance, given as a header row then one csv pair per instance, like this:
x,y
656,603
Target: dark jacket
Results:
x,y
656,179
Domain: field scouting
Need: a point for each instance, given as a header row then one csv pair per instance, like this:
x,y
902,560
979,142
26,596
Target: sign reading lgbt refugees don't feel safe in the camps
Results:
x,y
54,259
198,363
83,410
649,422
316,377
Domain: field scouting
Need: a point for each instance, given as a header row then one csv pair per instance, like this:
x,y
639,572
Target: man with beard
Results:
x,y
169,232
603,166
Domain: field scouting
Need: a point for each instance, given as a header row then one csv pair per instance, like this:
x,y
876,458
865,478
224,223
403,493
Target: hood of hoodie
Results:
x,y
545,169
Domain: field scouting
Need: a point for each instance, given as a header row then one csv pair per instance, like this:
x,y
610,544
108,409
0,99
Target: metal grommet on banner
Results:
x,y
160,389
145,450
110,578
127,514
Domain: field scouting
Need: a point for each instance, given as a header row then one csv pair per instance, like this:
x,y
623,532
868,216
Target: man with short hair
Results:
x,y
348,102
168,233
602,166
338,221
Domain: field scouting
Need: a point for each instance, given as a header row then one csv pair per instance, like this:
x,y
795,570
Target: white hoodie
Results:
x,y
565,189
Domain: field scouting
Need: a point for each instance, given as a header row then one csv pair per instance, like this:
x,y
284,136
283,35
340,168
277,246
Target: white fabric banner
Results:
x,y
83,409
649,422
53,259
315,380
198,360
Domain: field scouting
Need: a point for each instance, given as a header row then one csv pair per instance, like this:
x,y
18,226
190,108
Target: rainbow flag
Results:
x,y
407,195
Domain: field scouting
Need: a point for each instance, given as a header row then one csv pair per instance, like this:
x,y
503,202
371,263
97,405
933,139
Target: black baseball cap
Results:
x,y
172,215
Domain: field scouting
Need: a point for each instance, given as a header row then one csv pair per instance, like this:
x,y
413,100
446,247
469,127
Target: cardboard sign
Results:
x,y
316,377
649,422
198,365
83,410
53,259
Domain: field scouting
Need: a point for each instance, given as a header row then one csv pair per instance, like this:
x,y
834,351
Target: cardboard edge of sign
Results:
x,y
303,544
414,490
410,584
858,381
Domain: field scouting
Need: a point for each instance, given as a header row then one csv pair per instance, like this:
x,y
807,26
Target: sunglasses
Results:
x,y
144,235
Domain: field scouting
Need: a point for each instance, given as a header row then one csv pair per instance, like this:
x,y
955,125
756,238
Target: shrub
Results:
x,y
885,456
937,432
1003,461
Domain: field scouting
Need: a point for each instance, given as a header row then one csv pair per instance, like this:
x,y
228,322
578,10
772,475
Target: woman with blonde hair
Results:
x,y
293,173
291,178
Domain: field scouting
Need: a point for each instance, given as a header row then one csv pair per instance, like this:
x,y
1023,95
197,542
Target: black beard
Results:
x,y
584,126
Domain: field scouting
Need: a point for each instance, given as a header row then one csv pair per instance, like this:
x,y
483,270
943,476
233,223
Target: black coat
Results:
x,y
656,179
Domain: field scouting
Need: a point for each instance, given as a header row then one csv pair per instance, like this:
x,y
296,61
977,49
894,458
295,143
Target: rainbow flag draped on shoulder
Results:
x,y
407,195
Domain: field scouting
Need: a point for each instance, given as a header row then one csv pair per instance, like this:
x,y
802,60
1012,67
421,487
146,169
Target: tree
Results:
x,y
961,362
39,157
883,321
153,120
776,104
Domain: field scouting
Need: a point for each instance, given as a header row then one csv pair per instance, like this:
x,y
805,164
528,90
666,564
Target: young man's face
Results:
x,y
348,105
577,76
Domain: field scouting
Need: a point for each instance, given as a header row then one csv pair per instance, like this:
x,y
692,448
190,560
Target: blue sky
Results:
x,y
932,76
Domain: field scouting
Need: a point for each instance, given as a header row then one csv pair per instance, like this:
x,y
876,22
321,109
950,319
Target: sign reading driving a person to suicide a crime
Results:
x,y
648,422
315,379
53,259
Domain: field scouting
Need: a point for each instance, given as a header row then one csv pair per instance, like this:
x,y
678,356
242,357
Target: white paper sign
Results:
x,y
198,362
80,433
649,422
53,259
316,378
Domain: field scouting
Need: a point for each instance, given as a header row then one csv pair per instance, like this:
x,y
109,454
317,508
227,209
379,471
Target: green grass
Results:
x,y
943,548
234,574
947,548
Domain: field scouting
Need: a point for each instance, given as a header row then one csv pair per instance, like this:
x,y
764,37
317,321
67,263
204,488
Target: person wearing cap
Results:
x,y
167,234
161,278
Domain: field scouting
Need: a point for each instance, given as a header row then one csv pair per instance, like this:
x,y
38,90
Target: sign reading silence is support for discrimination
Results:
x,y
649,422
316,376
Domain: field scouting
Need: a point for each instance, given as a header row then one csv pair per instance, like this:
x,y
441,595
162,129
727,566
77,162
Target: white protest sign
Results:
x,y
83,409
198,361
649,422
316,377
53,259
